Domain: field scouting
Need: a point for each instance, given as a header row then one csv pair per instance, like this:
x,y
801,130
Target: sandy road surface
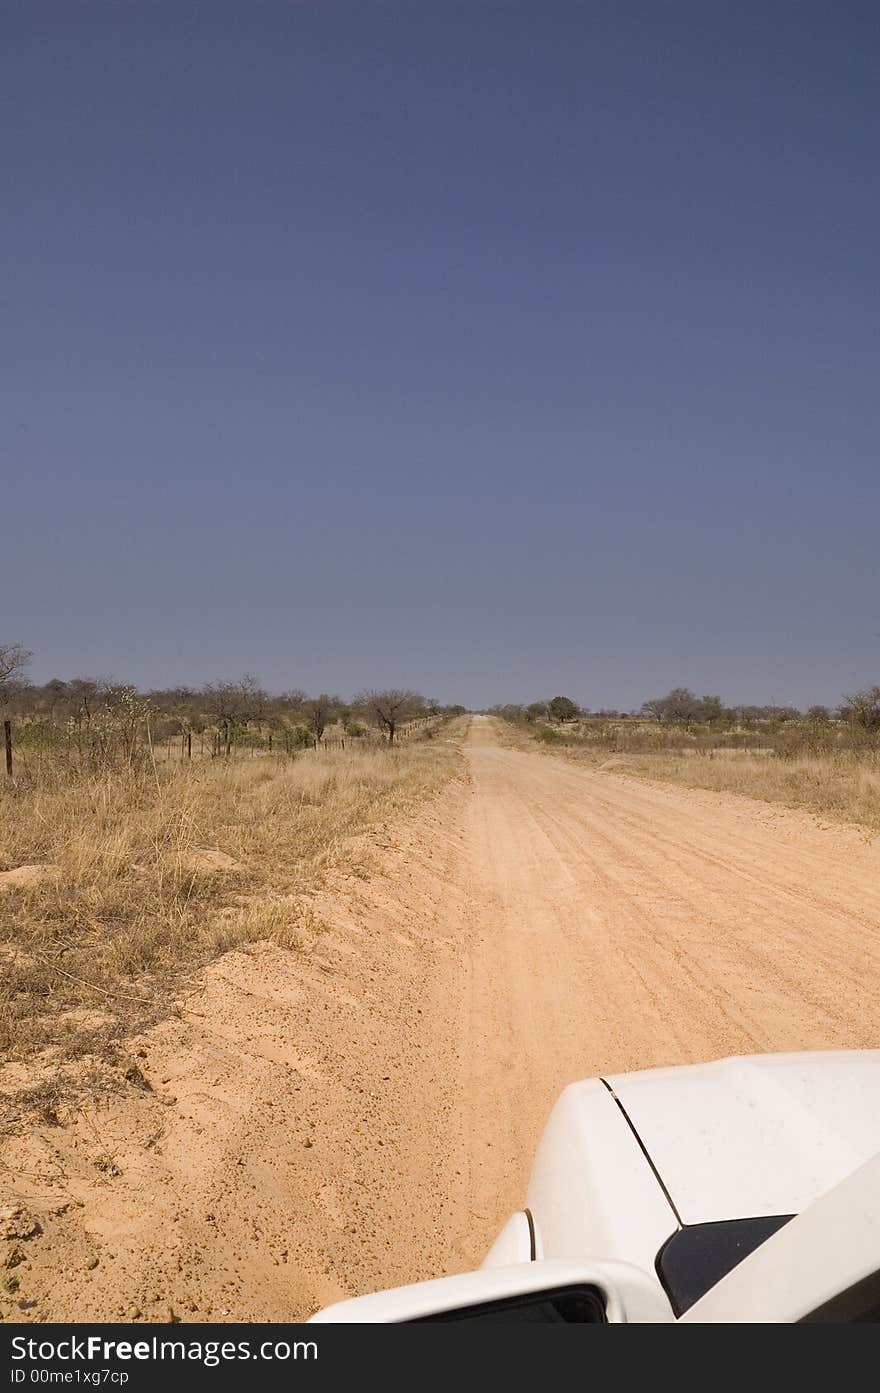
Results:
x,y
365,1113
623,925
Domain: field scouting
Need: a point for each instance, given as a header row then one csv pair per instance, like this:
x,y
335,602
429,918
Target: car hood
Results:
x,y
754,1135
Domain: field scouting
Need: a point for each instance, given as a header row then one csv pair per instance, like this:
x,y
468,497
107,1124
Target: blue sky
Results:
x,y
492,349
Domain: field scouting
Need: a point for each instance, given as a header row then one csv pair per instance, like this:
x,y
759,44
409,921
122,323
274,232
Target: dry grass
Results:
x,y
141,893
843,786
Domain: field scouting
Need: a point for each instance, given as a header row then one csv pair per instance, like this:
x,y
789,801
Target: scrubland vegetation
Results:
x,y
823,761
129,854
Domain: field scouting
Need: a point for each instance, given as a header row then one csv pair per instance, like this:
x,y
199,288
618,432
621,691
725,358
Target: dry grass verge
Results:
x,y
844,786
138,877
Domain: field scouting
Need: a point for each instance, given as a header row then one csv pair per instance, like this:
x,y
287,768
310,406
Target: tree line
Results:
x,y
102,712
682,707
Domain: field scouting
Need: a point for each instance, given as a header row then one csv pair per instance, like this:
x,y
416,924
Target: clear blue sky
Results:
x,y
492,349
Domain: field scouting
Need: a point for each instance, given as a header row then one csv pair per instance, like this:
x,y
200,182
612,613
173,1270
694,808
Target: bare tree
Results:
x,y
117,728
863,709
14,658
388,710
255,703
319,712
234,704
654,709
678,707
83,693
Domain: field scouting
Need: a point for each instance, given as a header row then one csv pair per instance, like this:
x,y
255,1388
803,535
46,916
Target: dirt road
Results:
x,y
622,925
365,1113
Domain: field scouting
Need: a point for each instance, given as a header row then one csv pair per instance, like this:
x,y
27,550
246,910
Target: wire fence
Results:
x,y
82,747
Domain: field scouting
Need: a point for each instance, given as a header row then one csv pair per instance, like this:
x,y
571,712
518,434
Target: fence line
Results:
x,y
83,745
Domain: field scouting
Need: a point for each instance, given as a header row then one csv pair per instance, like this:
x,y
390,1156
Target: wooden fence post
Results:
x,y
7,734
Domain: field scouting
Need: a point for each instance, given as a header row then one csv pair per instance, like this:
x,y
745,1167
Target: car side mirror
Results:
x,y
584,1293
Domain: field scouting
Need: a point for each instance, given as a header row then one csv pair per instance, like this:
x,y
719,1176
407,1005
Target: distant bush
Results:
x,y
863,709
299,738
562,708
549,736
40,735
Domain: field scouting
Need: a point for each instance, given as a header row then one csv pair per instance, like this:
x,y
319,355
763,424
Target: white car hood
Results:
x,y
756,1135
